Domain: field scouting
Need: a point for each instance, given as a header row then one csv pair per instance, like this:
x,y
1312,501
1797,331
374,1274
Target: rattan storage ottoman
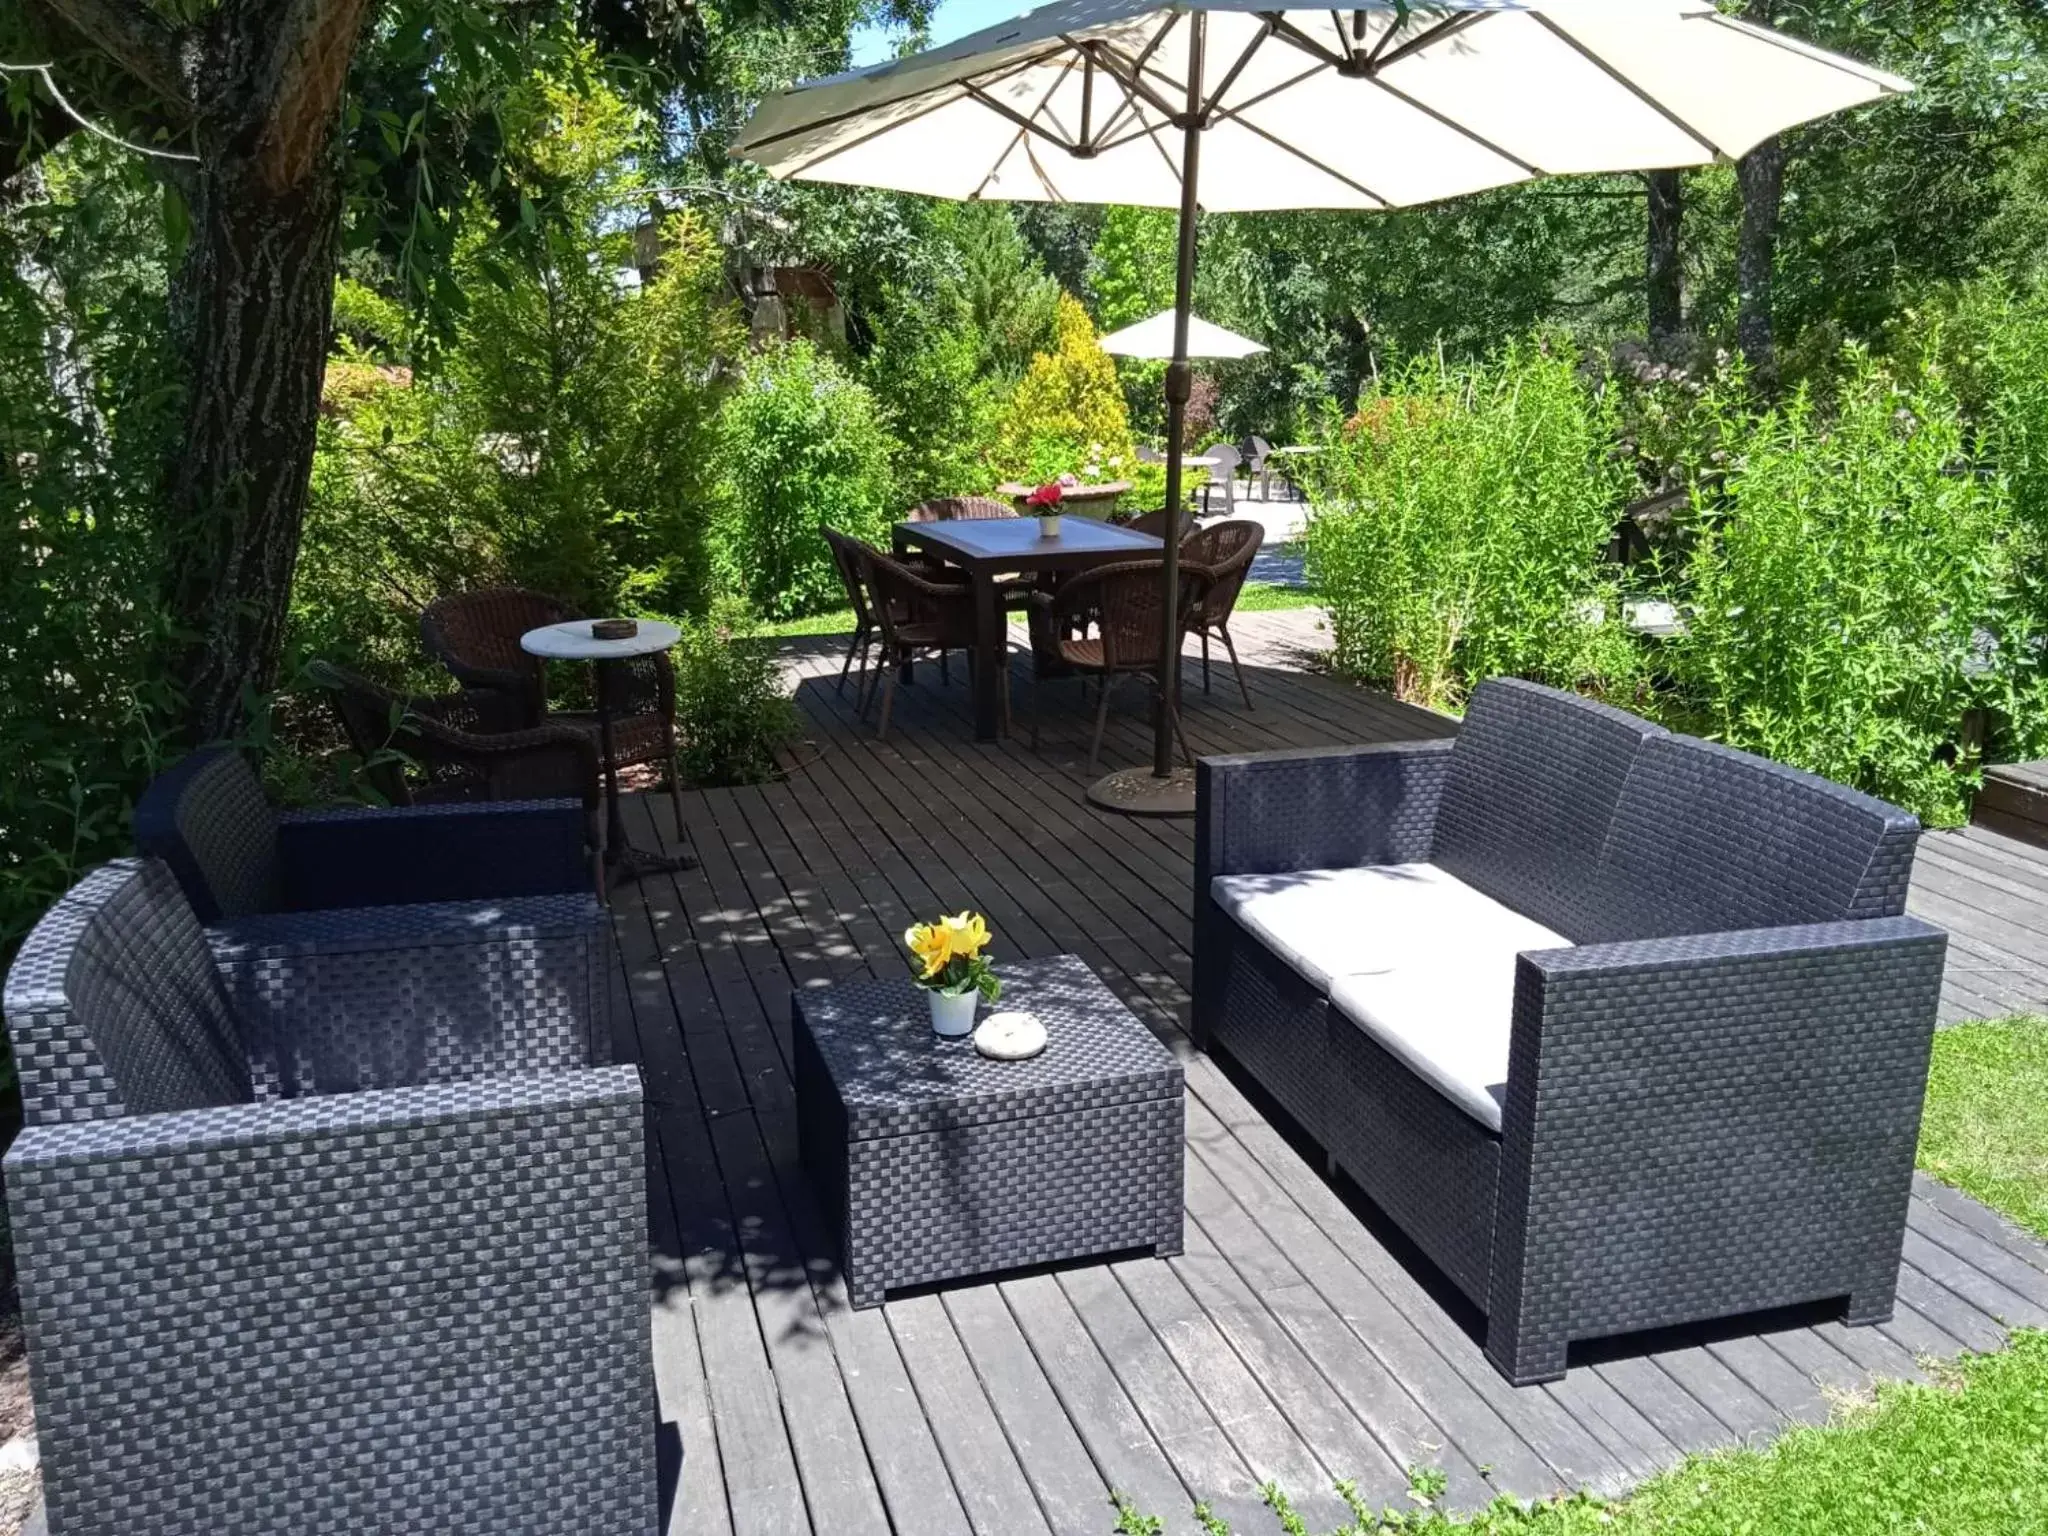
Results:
x,y
933,1162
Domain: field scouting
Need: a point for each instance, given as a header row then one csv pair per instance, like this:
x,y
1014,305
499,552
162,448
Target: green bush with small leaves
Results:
x,y
732,715
1462,518
800,444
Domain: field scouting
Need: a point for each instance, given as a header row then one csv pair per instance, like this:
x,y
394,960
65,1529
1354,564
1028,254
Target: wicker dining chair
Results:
x,y
1155,523
1226,551
944,508
917,615
475,635
846,560
459,746
1121,608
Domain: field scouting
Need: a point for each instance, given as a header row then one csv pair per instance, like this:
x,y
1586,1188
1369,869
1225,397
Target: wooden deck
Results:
x,y
1297,1339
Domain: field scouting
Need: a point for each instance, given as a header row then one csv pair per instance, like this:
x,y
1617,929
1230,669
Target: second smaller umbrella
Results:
x,y
1154,338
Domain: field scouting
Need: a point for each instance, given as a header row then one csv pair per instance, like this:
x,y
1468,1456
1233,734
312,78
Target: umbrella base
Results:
x,y
1137,792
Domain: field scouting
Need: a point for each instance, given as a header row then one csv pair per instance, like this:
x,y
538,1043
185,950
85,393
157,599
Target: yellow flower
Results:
x,y
965,934
929,942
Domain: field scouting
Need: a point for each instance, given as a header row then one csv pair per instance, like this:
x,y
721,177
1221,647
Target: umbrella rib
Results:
x,y
1120,69
1429,39
1457,127
1288,32
1272,90
1309,159
1230,75
1003,72
1798,50
1627,84
1029,124
966,93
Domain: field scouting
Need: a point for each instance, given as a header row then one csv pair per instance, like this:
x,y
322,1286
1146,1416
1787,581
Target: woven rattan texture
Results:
x,y
207,818
411,1312
358,856
894,1076
1704,1126
1532,788
1705,840
368,997
1271,1022
995,1197
1424,1161
1317,808
934,1163
113,1005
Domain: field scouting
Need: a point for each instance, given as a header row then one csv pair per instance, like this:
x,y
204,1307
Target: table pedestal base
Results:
x,y
1138,792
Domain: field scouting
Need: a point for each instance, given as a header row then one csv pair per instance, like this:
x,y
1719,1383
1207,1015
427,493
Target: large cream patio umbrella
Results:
x,y
1229,106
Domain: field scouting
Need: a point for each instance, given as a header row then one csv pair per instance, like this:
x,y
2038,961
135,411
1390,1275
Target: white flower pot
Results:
x,y
1049,526
953,1014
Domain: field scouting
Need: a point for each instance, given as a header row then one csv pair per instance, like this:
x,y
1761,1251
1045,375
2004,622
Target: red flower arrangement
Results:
x,y
1048,495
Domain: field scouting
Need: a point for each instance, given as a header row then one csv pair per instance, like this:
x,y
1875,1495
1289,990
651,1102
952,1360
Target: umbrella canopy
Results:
x,y
1154,338
1372,106
1224,105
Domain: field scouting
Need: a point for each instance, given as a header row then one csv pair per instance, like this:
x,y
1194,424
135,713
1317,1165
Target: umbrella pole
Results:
x,y
1163,791
1178,387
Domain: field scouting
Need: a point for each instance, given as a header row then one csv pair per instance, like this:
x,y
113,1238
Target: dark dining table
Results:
x,y
986,548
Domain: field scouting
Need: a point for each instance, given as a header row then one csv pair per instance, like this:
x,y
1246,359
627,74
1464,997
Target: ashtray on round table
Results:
x,y
1011,1035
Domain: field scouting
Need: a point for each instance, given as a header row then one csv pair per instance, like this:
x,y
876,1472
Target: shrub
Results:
x,y
1068,410
928,370
1462,518
731,713
800,444
1840,586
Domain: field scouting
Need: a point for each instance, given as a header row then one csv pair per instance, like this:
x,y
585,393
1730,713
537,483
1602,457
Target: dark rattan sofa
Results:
x,y
1622,1028
417,1307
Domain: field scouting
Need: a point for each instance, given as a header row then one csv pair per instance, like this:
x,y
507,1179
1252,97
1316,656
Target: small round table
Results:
x,y
573,641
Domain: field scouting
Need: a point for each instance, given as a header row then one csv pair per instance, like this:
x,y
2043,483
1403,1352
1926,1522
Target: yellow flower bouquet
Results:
x,y
949,960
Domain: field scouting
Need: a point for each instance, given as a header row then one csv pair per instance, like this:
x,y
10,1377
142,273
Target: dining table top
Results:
x,y
1017,544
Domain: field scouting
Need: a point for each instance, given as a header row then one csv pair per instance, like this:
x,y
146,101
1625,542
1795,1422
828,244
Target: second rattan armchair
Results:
x,y
1226,551
917,614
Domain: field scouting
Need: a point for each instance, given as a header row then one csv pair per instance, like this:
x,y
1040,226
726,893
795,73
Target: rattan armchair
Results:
x,y
1105,624
941,508
917,615
414,1300
475,635
453,748
1226,551
1155,523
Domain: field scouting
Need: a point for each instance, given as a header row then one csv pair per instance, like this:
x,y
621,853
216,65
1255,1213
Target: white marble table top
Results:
x,y
573,641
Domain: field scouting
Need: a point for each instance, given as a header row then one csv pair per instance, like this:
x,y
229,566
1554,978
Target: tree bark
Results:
x,y
1761,176
251,307
1664,293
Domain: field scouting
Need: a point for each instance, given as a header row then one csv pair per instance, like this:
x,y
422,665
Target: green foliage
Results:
x,y
561,436
1068,412
1842,573
86,413
930,373
1131,274
1012,303
801,444
1985,1128
731,713
1462,517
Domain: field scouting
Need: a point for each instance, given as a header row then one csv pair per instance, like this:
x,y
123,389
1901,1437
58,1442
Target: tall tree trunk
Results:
x,y
1761,176
1661,271
252,306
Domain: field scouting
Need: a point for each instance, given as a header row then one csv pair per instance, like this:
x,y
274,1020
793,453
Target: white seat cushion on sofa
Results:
x,y
1419,960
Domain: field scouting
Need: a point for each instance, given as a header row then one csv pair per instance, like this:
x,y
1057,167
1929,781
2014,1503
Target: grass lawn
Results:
x,y
1257,597
1966,1456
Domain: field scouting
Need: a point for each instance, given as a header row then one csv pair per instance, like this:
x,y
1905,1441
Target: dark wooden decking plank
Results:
x,y
997,1495
1119,1443
1981,1253
1468,1421
1680,1417
1380,1401
1235,1398
1070,1488
1204,1456
1981,1219
1623,1429
1790,1391
1318,1414
1575,1456
1951,1313
1987,1294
